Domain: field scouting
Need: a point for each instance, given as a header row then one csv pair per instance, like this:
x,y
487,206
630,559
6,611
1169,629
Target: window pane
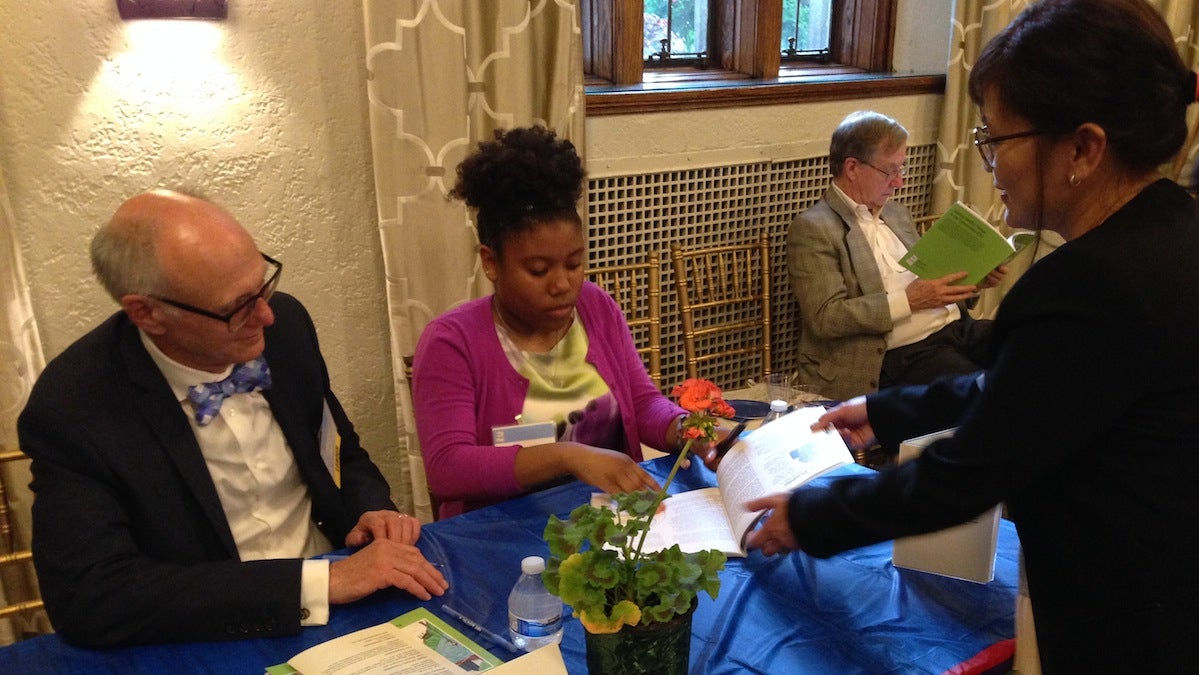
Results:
x,y
805,27
686,23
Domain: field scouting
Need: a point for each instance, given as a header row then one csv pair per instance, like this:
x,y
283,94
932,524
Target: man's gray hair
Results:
x,y
862,134
123,257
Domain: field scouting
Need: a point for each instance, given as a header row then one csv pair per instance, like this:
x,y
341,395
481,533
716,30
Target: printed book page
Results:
x,y
776,457
961,240
416,642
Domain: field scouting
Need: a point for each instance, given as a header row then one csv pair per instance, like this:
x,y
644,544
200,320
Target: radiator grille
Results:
x,y
633,214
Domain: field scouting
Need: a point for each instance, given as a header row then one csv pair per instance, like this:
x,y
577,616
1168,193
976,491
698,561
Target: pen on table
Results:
x,y
494,637
723,446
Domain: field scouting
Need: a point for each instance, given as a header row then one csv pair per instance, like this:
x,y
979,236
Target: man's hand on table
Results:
x,y
392,525
380,564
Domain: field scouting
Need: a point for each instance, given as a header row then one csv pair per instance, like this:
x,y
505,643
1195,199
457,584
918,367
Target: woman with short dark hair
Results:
x,y
1086,420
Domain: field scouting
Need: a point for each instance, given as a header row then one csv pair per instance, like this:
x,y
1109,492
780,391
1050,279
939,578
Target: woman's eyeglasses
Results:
x,y
985,142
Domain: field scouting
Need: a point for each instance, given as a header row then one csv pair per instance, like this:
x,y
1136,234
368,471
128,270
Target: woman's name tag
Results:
x,y
525,434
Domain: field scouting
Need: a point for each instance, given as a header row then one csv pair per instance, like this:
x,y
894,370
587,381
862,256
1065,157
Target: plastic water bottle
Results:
x,y
534,615
778,408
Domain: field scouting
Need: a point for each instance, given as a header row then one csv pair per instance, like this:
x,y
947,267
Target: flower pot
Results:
x,y
656,649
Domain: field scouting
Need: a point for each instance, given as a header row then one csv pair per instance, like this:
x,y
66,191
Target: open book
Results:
x,y
416,642
961,240
776,457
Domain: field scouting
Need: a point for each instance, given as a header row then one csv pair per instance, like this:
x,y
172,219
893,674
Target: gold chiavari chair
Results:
x,y
409,360
924,222
637,288
13,554
724,302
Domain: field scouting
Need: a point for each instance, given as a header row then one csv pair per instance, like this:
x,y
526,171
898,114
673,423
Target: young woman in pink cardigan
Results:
x,y
547,346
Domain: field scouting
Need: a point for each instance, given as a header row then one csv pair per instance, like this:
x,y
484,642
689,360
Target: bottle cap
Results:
x,y
779,405
532,565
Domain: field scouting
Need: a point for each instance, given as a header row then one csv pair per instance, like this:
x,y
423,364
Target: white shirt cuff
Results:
x,y
314,593
897,302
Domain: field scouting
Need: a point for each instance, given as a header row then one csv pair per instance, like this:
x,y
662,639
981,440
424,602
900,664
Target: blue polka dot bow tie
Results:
x,y
207,397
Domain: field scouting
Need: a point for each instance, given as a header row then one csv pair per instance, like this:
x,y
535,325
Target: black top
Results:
x,y
1086,424
130,542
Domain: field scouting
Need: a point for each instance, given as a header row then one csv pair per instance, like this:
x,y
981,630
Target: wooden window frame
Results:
x,y
743,40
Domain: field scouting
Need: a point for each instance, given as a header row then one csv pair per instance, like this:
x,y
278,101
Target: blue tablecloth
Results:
x,y
852,613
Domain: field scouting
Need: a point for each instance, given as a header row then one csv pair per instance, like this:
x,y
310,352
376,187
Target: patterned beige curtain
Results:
x,y
442,75
961,176
21,360
1183,18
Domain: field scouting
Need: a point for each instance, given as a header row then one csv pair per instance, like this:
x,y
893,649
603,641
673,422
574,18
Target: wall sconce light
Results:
x,y
171,9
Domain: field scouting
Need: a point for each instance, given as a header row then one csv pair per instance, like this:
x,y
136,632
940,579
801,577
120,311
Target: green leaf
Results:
x,y
637,504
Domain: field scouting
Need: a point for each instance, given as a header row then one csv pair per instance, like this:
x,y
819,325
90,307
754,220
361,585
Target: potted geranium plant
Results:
x,y
636,605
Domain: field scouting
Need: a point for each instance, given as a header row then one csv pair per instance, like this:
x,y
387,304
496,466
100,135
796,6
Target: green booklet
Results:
x,y
417,641
961,240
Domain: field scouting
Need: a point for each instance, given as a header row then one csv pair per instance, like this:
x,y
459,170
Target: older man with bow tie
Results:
x,y
189,456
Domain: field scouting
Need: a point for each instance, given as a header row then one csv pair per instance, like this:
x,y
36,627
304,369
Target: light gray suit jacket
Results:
x,y
844,317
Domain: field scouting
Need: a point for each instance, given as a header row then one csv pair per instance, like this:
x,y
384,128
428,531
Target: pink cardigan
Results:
x,y
463,386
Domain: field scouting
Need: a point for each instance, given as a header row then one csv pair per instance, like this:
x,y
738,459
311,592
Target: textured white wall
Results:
x,y
264,113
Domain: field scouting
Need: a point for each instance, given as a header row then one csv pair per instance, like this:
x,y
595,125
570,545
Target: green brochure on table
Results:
x,y
961,240
417,641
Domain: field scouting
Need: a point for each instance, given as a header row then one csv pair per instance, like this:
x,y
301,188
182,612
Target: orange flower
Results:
x,y
697,395
722,409
702,399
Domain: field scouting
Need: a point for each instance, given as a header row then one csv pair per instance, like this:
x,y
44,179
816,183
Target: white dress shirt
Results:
x,y
265,500
907,327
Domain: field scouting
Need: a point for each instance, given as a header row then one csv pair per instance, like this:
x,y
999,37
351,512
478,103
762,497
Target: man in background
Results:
x,y
867,322
189,455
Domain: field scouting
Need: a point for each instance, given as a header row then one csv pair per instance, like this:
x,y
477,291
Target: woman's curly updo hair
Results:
x,y
525,177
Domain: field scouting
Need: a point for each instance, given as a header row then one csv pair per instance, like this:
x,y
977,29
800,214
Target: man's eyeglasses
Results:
x,y
238,316
891,175
985,142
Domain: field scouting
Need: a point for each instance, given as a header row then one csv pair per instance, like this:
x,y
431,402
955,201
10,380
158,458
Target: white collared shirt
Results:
x,y
265,500
907,327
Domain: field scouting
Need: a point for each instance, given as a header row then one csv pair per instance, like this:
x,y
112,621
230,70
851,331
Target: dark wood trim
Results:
x,y
746,69
745,38
674,96
612,39
863,34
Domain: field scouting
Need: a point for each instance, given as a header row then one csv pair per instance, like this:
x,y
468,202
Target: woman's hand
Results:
x,y
609,470
711,453
775,535
851,422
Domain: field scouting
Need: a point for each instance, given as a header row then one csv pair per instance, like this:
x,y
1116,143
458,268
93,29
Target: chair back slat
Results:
x,y
13,554
637,288
724,302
